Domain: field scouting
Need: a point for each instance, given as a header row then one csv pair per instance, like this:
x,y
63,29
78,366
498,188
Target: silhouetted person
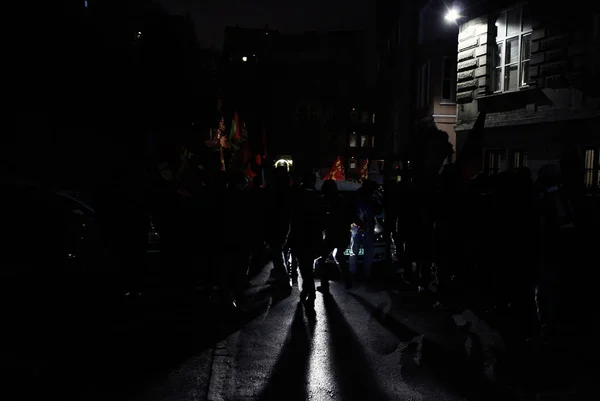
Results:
x,y
556,231
290,255
363,229
337,220
259,205
236,244
278,218
448,245
306,235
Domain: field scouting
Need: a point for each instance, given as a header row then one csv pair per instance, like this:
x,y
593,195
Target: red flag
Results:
x,y
364,171
234,133
249,173
337,171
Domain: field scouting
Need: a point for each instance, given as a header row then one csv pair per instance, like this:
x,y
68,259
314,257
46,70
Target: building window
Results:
x,y
518,159
352,164
353,140
364,141
592,168
364,117
376,166
492,162
354,116
449,80
373,142
423,85
373,118
513,50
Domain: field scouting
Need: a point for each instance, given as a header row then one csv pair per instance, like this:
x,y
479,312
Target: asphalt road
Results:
x,y
278,352
341,352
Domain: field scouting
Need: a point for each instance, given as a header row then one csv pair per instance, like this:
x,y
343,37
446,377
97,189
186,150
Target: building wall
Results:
x,y
435,63
559,103
303,85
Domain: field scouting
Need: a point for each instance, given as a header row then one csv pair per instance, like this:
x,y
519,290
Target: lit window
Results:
x,y
352,163
353,140
85,4
373,118
449,80
363,141
592,168
513,50
492,162
518,159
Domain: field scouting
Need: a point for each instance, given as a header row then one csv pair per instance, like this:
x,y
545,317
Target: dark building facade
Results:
x,y
434,71
397,28
114,85
300,89
534,70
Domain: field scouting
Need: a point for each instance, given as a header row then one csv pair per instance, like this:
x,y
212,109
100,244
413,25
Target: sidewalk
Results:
x,y
459,340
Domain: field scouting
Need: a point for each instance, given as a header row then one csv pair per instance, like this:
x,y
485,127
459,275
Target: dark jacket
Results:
x,y
337,218
307,222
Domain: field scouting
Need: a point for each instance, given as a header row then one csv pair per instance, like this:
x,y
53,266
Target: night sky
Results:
x,y
289,16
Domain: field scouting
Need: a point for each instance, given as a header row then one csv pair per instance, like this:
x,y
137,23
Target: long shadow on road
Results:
x,y
288,381
349,359
446,366
119,365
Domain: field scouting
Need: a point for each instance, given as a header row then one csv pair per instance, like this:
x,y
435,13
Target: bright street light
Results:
x,y
452,15
244,58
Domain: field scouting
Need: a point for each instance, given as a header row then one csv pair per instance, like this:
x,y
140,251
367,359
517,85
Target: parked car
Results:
x,y
153,245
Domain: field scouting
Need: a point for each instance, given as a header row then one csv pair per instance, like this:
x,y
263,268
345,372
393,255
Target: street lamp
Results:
x,y
452,15
244,59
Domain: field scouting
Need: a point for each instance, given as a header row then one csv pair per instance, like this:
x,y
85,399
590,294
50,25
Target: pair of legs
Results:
x,y
337,253
291,262
306,259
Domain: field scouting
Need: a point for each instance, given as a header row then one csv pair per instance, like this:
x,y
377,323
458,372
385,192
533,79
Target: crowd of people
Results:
x,y
219,230
502,243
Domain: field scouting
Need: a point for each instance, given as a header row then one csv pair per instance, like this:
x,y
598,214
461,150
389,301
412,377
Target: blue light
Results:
x,y
85,3
361,252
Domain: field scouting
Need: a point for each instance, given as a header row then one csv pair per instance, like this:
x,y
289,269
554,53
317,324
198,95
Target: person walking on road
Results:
x,y
337,220
278,218
306,235
368,207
